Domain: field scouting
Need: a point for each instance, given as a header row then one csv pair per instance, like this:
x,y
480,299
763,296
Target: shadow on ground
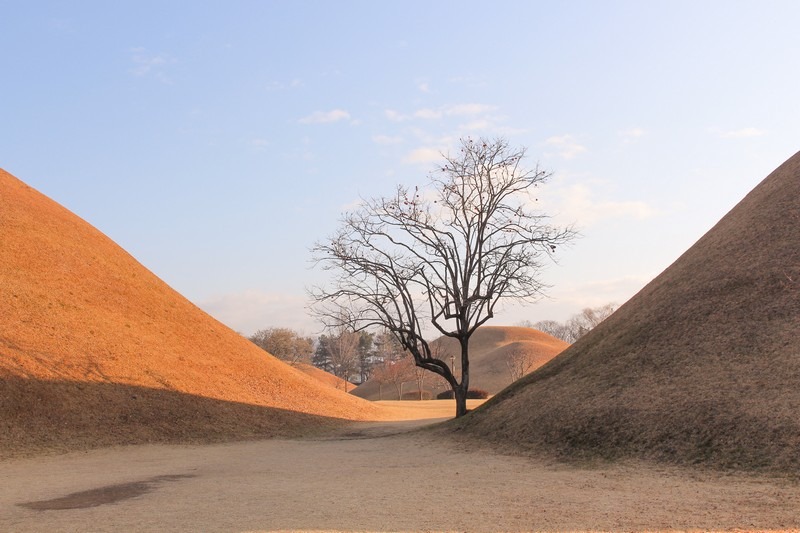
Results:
x,y
58,416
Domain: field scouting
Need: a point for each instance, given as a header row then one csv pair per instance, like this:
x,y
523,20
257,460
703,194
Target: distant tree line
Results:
x,y
576,326
346,354
356,357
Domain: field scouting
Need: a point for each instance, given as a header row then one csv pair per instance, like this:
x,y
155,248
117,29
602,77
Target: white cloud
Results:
x,y
423,87
476,125
324,117
423,155
599,292
742,133
565,145
279,85
251,310
394,116
456,110
578,204
387,139
259,144
351,206
631,135
468,109
633,132
149,64
427,114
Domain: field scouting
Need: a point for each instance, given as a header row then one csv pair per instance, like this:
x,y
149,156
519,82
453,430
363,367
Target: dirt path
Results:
x,y
370,478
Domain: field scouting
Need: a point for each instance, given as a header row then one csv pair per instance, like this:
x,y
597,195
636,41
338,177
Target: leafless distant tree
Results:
x,y
396,372
585,321
440,260
557,329
577,326
284,343
342,346
519,363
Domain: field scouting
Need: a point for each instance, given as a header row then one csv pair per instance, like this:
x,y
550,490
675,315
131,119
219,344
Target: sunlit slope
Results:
x,y
701,366
77,311
325,377
490,347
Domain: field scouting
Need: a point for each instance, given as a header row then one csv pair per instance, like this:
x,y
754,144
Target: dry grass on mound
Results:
x,y
79,314
325,377
701,367
60,416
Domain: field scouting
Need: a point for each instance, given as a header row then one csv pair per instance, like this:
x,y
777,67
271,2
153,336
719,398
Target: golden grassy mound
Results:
x,y
490,347
325,377
96,350
701,366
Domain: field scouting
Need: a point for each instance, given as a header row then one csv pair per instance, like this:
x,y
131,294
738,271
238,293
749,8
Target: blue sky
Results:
x,y
217,141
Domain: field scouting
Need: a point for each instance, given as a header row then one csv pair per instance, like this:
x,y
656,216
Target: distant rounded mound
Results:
x,y
325,377
702,366
96,350
490,349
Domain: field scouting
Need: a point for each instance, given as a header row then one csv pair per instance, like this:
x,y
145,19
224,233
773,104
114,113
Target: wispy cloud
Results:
x,y
251,310
436,113
387,139
742,133
600,292
147,64
468,109
423,87
324,117
280,85
428,114
259,144
578,203
395,116
423,155
565,145
631,135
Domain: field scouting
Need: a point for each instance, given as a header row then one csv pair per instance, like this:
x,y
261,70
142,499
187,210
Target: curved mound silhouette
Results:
x,y
77,312
490,348
701,366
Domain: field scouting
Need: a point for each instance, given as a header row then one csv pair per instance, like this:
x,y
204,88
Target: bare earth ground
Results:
x,y
373,477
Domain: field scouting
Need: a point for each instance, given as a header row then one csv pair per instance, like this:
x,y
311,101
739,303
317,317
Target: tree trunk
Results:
x,y
463,387
460,393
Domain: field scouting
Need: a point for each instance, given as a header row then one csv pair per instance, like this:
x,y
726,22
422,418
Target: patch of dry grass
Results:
x,y
325,377
700,367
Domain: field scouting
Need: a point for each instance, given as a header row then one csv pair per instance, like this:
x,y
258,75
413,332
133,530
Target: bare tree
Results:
x,y
439,261
284,343
419,373
388,351
342,346
585,321
519,363
557,329
380,377
578,324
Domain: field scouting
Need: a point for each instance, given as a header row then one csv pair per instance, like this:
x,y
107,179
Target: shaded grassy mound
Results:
x,y
702,366
35,410
77,309
489,348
